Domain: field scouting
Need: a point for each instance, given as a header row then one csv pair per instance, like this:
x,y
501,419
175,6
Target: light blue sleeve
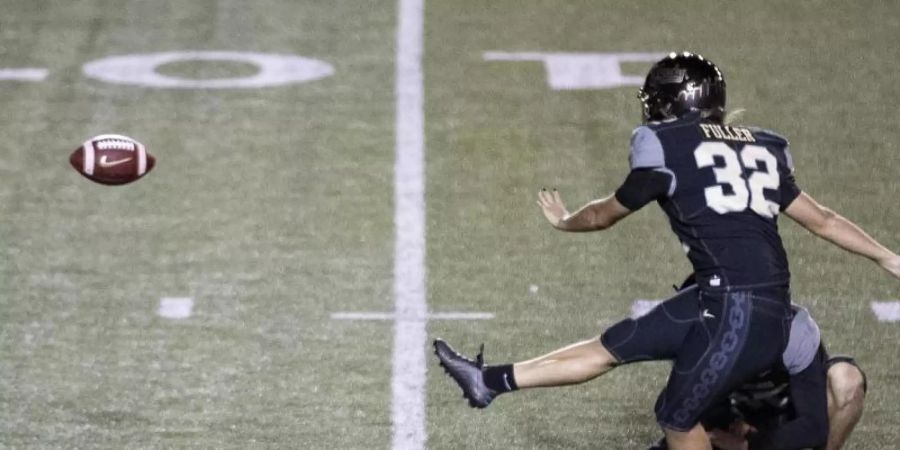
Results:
x,y
646,149
647,153
789,159
803,343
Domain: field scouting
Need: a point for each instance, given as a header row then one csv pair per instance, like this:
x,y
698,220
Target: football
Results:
x,y
112,159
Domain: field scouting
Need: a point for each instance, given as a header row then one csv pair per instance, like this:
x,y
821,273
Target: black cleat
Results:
x,y
468,374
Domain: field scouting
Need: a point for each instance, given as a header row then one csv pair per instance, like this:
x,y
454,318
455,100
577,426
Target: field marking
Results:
x,y
887,311
641,307
29,74
571,71
272,69
393,316
408,371
176,307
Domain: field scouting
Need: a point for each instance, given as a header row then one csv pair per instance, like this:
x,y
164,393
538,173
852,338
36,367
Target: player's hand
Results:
x,y
726,440
552,205
741,428
892,265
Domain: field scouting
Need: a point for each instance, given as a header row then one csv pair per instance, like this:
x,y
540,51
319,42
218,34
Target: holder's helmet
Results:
x,y
680,83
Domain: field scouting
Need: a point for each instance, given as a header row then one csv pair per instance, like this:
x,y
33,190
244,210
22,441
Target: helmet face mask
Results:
x,y
681,83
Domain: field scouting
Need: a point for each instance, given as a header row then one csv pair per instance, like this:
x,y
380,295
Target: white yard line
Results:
x,y
461,316
885,311
392,316
23,74
408,369
363,316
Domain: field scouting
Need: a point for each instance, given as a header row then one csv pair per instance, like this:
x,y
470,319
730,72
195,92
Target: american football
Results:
x,y
112,159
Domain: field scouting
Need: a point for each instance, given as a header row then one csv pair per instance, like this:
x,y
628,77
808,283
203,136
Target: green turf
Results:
x,y
273,208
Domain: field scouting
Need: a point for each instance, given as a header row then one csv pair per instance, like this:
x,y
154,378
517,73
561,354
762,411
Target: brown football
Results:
x,y
112,159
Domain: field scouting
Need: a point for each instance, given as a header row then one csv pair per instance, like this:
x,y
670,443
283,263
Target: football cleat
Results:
x,y
468,374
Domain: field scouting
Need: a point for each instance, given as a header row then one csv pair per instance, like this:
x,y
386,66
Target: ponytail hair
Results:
x,y
732,116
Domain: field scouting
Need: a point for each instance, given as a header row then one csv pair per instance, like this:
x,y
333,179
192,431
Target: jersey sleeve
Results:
x,y
643,186
803,343
646,149
649,178
787,189
809,427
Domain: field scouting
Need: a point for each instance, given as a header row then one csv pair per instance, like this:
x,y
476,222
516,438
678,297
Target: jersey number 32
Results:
x,y
746,191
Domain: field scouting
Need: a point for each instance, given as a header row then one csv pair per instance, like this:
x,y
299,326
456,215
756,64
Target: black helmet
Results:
x,y
680,83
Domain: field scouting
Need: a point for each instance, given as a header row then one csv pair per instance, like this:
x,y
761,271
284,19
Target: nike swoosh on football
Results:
x,y
105,163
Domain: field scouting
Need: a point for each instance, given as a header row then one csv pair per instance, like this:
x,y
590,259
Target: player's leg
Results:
x,y
656,335
572,364
741,335
576,363
480,384
846,394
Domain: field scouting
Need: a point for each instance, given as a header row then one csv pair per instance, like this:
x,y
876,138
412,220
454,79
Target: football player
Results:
x,y
722,188
761,408
785,407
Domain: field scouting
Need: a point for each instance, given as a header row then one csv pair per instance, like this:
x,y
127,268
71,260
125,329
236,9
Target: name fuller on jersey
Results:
x,y
714,131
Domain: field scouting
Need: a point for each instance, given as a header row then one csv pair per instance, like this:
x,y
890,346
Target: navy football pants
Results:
x,y
717,339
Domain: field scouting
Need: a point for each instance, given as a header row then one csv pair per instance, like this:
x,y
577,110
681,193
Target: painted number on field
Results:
x,y
272,70
568,71
176,307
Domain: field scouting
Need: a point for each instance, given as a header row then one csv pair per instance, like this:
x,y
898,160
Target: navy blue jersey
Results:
x,y
727,185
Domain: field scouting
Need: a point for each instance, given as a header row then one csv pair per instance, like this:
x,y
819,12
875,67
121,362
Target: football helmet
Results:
x,y
680,83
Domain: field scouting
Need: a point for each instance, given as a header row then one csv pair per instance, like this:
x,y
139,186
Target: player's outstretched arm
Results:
x,y
597,215
833,227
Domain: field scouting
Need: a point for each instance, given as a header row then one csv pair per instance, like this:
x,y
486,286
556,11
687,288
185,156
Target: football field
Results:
x,y
339,182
